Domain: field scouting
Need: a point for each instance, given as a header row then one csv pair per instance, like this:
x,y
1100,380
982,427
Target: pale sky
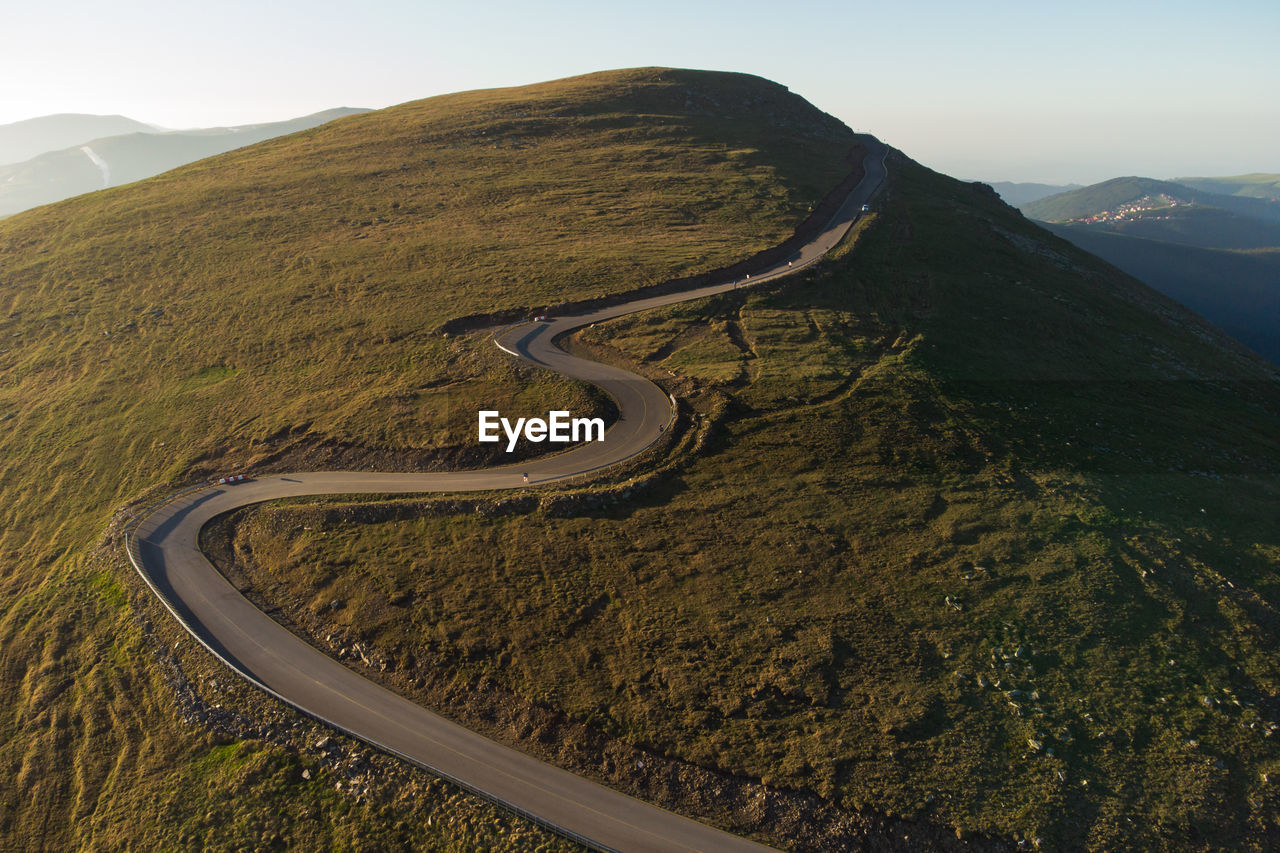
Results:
x,y
1078,91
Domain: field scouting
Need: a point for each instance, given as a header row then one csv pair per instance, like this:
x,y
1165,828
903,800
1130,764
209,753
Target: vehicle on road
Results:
x,y
866,208
232,480
542,318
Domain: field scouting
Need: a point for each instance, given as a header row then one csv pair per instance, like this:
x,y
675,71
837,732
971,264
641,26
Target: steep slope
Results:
x,y
1214,253
277,306
122,159
23,140
981,534
1239,291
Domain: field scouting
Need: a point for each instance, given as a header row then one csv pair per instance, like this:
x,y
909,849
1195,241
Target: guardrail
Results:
x,y
152,507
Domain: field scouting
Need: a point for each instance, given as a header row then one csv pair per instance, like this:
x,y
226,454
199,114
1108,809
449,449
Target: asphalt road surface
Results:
x,y
164,549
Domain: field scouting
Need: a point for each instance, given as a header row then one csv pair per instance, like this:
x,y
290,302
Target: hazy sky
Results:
x,y
998,90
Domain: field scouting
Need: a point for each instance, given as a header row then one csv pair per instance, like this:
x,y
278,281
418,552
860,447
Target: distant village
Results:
x,y
1136,209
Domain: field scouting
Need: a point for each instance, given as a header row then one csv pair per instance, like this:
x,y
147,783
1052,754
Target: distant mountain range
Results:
x,y
23,140
135,151
1256,185
1129,199
1211,243
1018,194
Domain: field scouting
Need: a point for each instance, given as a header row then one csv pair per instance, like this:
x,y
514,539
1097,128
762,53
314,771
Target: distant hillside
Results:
x,y
122,159
1018,194
1187,243
1190,225
1257,185
1236,290
23,140
1141,194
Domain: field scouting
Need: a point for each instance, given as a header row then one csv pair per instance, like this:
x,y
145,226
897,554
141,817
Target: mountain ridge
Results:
x,y
123,158
22,140
1256,184
1018,193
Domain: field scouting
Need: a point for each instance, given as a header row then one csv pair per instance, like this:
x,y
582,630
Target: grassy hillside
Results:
x,y
1239,291
983,537
128,157
276,307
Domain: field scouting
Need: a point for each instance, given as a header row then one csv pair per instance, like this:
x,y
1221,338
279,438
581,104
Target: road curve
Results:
x,y
163,546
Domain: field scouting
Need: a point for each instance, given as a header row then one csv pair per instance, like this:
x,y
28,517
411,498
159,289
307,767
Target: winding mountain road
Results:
x,y
164,548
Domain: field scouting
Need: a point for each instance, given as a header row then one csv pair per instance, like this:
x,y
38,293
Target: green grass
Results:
x,y
277,307
961,454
